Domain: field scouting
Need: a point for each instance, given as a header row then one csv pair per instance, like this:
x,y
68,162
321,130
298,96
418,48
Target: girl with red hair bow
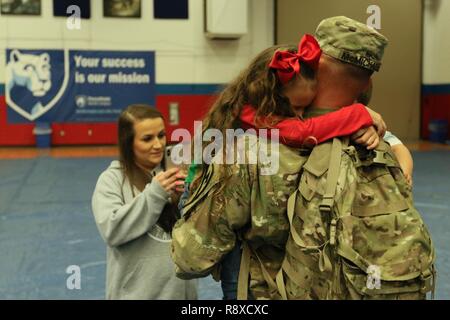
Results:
x,y
295,71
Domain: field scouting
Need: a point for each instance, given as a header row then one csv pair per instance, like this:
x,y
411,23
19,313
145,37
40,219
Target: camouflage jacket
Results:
x,y
244,205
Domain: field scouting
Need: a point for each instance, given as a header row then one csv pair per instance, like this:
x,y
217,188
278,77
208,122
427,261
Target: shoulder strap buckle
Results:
x,y
327,204
379,157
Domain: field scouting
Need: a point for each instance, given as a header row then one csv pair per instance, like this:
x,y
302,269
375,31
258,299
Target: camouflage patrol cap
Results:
x,y
351,41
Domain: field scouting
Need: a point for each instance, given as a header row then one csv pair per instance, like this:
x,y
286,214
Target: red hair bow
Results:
x,y
287,63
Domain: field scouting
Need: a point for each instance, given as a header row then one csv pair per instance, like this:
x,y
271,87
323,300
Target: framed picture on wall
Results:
x,y
60,8
122,8
21,7
174,9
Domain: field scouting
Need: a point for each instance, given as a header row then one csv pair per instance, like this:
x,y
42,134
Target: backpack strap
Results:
x,y
326,206
244,272
273,289
280,283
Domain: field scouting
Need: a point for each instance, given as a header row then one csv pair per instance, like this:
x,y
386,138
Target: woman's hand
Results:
x,y
367,137
171,180
378,122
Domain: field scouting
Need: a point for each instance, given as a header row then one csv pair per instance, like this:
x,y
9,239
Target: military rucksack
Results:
x,y
355,233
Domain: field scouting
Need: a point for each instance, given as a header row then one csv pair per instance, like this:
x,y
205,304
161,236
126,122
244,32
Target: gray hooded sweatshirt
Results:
x,y
139,265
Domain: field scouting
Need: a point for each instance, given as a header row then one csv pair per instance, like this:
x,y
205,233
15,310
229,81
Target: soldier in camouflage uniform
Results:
x,y
355,233
239,204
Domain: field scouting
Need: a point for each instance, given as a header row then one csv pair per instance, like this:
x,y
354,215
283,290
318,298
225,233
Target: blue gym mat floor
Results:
x,y
46,225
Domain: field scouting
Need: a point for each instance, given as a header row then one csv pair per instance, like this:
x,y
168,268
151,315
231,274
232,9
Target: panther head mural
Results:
x,y
30,71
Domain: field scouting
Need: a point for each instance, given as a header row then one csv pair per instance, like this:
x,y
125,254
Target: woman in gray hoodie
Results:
x,y
134,208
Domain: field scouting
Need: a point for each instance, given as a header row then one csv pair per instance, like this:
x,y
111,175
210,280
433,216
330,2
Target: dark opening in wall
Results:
x,y
173,9
60,8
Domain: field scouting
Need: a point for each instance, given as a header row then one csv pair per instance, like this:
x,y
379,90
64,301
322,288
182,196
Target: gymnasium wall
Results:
x,y
397,87
436,62
190,68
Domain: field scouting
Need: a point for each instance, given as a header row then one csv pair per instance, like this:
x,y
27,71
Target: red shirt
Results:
x,y
295,132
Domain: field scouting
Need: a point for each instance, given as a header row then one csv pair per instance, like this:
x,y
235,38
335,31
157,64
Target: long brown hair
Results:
x,y
135,175
259,86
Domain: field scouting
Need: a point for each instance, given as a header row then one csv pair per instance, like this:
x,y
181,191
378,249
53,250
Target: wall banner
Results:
x,y
76,85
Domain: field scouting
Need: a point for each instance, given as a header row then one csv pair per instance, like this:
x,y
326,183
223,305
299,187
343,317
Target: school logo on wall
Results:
x,y
76,85
35,81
